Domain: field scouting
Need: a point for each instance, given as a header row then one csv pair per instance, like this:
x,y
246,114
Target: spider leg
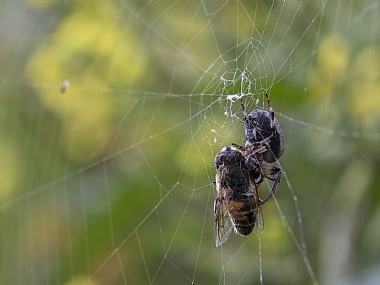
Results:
x,y
257,186
259,180
256,146
242,148
271,115
274,173
243,107
267,140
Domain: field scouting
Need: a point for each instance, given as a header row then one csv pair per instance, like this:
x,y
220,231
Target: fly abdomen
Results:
x,y
243,214
245,227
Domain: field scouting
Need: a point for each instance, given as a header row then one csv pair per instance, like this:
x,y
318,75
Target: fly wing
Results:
x,y
259,214
222,224
260,219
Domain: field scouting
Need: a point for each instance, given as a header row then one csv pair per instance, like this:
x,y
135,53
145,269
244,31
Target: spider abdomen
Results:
x,y
258,128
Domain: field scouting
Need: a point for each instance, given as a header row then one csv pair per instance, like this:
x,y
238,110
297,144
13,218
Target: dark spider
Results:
x,y
265,144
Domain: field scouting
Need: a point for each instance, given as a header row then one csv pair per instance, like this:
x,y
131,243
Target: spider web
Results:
x,y
111,180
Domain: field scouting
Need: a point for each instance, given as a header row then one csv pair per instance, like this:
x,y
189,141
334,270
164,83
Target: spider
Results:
x,y
265,144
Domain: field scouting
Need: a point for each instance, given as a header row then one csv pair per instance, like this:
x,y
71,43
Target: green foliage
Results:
x,y
111,182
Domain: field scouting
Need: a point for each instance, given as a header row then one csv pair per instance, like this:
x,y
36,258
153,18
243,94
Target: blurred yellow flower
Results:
x,y
365,88
82,51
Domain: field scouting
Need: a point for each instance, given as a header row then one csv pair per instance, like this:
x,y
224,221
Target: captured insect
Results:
x,y
265,144
237,204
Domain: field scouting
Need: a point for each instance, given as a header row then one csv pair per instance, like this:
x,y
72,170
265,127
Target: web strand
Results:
x,y
110,179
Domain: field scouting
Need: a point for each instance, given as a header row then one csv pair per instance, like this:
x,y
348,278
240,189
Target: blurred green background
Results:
x,y
111,182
